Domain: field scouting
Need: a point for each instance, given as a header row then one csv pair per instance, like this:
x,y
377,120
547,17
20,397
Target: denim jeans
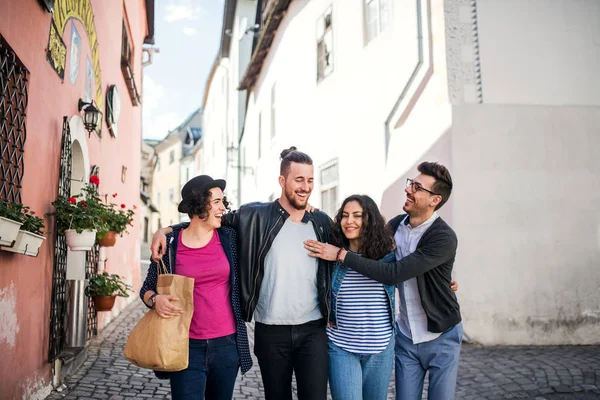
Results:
x,y
285,349
211,372
439,357
354,376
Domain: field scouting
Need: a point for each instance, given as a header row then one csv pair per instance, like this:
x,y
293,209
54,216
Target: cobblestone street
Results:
x,y
552,373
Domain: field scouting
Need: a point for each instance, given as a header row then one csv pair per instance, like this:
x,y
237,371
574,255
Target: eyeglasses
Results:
x,y
416,186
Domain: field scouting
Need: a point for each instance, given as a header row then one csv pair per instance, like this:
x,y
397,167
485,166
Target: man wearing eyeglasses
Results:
x,y
429,323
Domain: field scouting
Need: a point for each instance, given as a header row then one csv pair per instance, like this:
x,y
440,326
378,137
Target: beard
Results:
x,y
289,195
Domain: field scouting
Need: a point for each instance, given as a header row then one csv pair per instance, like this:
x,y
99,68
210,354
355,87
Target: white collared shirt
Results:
x,y
412,319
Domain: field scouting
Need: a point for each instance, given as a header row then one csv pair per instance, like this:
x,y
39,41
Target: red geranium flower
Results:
x,y
114,195
72,200
123,206
94,180
134,207
83,203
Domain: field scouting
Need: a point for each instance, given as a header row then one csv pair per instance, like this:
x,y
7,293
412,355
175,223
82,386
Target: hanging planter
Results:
x,y
79,217
104,303
104,288
26,243
9,230
109,239
80,241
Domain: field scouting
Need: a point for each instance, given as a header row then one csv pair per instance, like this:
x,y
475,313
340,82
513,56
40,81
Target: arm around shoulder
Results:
x,y
437,250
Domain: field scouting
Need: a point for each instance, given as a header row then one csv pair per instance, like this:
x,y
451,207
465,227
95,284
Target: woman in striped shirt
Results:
x,y
361,326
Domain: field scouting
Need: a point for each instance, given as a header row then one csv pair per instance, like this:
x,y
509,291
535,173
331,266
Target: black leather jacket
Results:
x,y
257,225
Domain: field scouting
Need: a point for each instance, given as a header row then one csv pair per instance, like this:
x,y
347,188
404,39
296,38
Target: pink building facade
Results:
x,y
54,53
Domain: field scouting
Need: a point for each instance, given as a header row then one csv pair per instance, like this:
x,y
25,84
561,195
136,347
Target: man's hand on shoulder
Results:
x,y
159,243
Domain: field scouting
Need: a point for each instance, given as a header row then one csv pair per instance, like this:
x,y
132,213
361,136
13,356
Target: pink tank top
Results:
x,y
213,314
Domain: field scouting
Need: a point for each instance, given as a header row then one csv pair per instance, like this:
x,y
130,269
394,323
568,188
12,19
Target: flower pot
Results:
x,y
27,243
9,230
104,303
80,241
109,240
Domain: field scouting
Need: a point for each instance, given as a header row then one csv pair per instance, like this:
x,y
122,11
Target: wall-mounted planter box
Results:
x,y
26,243
9,230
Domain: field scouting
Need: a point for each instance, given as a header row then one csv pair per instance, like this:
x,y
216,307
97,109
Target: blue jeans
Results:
x,y
439,357
354,376
211,372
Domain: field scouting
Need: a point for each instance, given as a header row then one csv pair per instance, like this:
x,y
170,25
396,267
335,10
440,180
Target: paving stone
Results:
x,y
485,373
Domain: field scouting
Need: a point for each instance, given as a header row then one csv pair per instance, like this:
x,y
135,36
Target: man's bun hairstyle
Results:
x,y
292,155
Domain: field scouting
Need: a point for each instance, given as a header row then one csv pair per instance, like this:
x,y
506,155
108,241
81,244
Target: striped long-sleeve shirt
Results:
x,y
363,316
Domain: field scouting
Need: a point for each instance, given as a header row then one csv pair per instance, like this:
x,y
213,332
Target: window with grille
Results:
x,y
377,13
324,45
13,106
329,187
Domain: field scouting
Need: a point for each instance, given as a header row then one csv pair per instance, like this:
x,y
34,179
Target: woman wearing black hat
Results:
x,y
206,252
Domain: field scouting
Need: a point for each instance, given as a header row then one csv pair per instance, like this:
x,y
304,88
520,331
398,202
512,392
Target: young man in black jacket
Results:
x,y
429,323
287,292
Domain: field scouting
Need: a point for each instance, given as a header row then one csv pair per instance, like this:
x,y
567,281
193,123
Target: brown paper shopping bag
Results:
x,y
162,344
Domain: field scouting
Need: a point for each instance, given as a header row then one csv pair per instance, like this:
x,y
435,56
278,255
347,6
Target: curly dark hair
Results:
x,y
375,237
198,204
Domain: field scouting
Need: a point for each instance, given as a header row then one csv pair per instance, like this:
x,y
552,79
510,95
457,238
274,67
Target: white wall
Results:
x,y
526,213
167,178
515,122
225,107
549,56
344,115
526,170
215,127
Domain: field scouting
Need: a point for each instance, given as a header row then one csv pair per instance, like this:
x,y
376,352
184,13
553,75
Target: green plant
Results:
x,y
80,212
11,210
23,214
106,284
32,223
117,218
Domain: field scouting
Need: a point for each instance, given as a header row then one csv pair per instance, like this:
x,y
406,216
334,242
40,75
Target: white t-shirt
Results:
x,y
288,293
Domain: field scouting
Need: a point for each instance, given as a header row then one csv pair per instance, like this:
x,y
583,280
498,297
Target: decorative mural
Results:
x,y
82,11
89,79
56,54
75,52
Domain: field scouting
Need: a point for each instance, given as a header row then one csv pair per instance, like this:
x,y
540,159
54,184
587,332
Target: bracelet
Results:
x,y
337,257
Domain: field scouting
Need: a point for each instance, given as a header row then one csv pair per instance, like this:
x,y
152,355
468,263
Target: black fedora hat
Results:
x,y
198,184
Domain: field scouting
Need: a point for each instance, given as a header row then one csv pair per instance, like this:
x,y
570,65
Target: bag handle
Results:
x,y
161,268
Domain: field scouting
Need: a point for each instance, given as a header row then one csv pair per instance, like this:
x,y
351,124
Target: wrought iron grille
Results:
x,y
91,268
13,106
59,281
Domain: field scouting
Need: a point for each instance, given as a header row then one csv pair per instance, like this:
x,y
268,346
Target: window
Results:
x,y
171,157
158,201
172,195
259,135
127,53
158,164
146,223
273,120
324,45
376,18
13,129
329,187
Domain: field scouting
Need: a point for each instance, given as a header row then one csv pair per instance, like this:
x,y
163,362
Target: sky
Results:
x,y
187,34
